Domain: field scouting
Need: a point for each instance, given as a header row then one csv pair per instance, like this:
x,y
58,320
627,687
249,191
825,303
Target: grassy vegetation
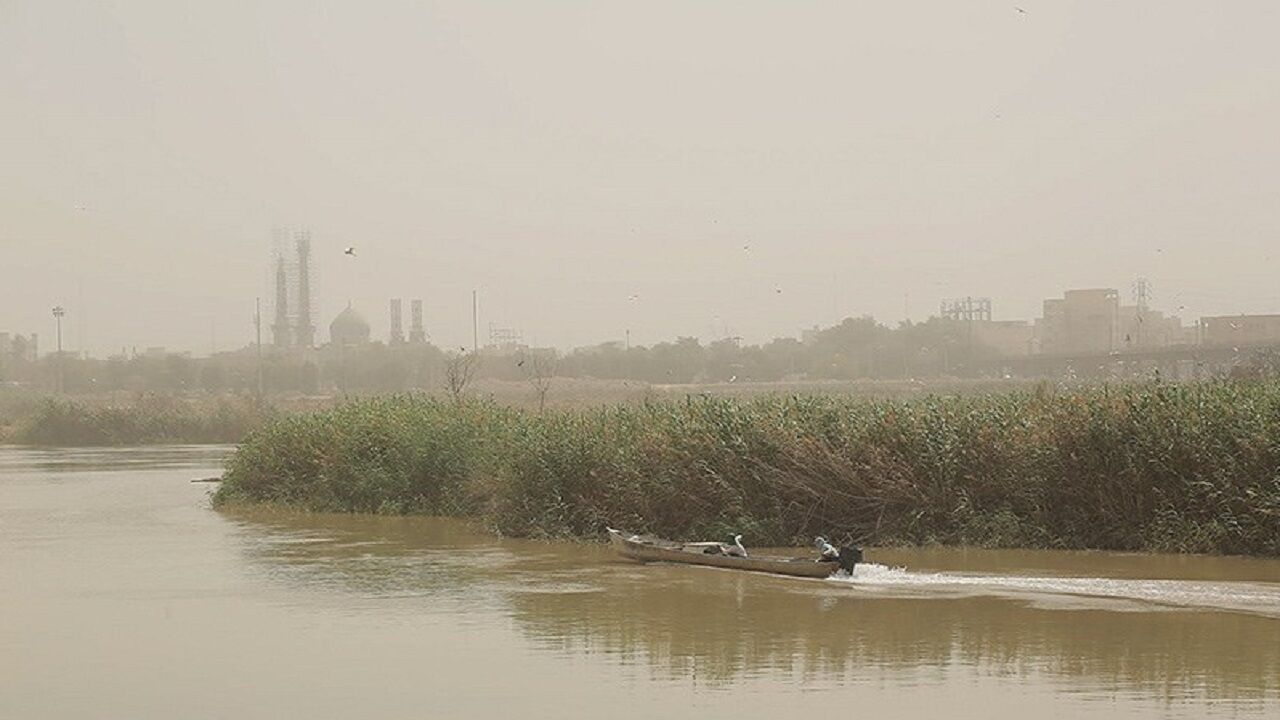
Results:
x,y
127,417
146,419
1167,467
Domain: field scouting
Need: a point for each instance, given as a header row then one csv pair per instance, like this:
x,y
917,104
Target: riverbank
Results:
x,y
1156,467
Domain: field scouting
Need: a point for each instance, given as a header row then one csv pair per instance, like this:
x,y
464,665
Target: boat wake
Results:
x,y
1114,593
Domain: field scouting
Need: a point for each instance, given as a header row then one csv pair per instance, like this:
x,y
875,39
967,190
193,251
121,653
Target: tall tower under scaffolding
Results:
x,y
397,324
417,334
304,327
966,308
280,335
294,312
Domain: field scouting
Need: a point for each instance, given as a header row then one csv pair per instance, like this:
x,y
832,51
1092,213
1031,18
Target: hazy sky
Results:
x,y
745,168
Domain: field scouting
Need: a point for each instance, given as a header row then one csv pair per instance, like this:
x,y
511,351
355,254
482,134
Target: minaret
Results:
x,y
416,333
280,328
305,329
397,326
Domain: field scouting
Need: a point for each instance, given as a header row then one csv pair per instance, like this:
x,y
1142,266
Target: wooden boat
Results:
x,y
647,548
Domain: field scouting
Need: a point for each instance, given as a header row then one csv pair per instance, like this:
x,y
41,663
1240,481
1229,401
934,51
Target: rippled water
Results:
x,y
122,594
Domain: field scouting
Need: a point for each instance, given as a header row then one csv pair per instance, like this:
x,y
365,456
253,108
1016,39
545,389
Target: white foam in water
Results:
x,y
1262,598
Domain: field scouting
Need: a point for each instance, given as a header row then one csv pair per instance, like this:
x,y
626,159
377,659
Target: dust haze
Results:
x,y
670,169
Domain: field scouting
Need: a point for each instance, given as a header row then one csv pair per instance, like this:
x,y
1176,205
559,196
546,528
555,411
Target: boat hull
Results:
x,y
650,549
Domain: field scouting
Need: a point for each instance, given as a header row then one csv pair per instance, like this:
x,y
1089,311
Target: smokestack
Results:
x,y
416,333
397,328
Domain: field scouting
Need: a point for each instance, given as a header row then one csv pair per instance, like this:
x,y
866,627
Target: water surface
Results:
x,y
123,595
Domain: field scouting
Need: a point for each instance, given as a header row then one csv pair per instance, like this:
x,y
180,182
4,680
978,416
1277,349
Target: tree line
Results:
x,y
856,348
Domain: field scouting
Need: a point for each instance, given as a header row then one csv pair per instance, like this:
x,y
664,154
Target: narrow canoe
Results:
x,y
647,548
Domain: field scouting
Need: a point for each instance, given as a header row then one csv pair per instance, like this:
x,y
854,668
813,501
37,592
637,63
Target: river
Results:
x,y
124,595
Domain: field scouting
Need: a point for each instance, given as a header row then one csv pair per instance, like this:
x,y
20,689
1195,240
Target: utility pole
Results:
x,y
58,312
257,326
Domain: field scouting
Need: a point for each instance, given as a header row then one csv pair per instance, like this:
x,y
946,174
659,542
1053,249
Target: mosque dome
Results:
x,y
349,328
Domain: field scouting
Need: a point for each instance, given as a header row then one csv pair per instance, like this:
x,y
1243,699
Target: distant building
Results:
x,y
349,328
1237,330
1007,337
504,341
1081,322
1146,329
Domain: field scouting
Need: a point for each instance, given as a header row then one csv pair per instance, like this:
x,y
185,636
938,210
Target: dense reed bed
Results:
x,y
1165,467
147,419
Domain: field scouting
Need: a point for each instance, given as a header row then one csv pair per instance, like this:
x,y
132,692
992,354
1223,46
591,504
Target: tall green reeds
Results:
x,y
150,419
1169,467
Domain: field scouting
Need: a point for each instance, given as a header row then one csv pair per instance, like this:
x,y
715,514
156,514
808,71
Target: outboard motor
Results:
x,y
850,556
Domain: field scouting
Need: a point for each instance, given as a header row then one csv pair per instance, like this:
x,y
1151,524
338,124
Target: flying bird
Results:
x,y
350,251
778,289
1020,10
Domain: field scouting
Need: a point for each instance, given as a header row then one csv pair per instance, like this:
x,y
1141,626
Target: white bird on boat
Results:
x,y
736,548
828,551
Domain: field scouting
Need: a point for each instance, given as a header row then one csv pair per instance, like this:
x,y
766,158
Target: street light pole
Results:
x,y
58,312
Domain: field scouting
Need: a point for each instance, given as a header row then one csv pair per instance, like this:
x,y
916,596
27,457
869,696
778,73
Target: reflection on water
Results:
x,y
722,628
1173,638
136,599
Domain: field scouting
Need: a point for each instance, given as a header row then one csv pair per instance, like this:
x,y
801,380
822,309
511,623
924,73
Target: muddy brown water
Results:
x,y
124,595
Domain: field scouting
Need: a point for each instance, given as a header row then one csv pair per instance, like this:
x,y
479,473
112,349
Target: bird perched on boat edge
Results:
x,y
736,548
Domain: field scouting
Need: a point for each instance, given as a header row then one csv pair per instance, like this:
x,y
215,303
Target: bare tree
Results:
x,y
459,370
539,370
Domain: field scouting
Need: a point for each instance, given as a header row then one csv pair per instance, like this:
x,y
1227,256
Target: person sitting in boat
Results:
x,y
827,551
